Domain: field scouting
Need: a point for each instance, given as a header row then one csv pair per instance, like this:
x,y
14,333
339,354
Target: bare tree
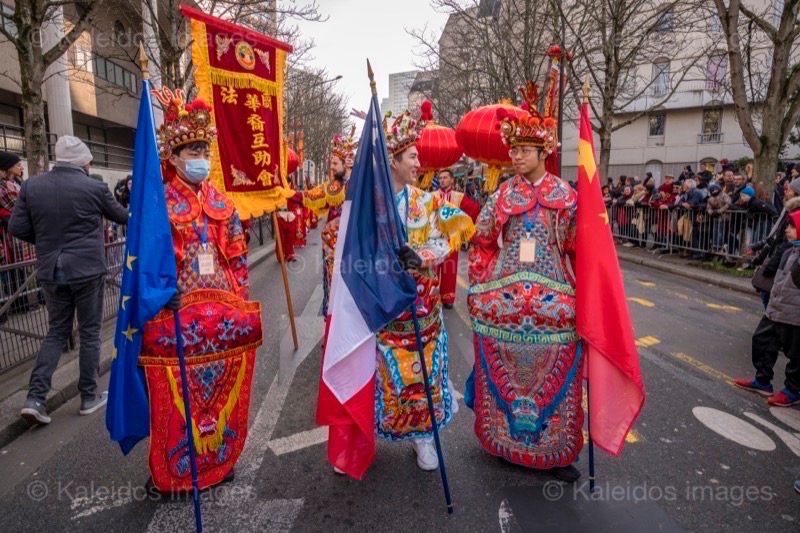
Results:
x,y
487,50
762,41
314,108
636,53
31,17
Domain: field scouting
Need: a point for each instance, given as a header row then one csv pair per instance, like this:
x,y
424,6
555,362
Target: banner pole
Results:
x,y
284,272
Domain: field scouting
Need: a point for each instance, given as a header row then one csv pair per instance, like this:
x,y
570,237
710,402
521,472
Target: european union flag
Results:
x,y
148,282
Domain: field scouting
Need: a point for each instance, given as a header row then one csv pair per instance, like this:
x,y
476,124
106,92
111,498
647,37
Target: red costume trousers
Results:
x,y
448,275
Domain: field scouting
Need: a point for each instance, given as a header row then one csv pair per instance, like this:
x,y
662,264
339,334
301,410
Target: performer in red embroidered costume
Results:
x,y
526,386
448,271
221,329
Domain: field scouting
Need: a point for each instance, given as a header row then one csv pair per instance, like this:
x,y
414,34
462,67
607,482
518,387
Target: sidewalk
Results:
x,y
684,267
13,386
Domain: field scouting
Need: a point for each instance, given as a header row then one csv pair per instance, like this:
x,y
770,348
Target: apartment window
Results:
x,y
661,77
6,12
714,24
712,126
627,82
777,14
113,73
658,121
716,71
664,22
83,59
119,33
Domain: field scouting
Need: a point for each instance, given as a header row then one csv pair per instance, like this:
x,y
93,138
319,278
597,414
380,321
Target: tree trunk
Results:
x,y
605,152
32,69
765,162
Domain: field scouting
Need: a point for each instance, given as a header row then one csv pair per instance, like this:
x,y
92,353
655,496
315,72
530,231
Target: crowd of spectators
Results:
x,y
703,214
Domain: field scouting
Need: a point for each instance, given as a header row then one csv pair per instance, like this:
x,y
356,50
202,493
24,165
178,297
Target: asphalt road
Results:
x,y
704,456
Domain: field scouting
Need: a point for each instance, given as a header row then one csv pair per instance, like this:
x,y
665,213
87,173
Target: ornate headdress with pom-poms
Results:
x,y
401,134
344,147
183,123
532,129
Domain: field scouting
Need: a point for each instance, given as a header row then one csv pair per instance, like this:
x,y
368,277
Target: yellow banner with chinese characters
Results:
x,y
240,73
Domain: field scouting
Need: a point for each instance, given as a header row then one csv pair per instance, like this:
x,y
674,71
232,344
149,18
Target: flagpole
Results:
x,y
187,405
179,348
432,410
587,89
421,352
285,273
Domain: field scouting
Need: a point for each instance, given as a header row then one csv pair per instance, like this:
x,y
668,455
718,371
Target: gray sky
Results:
x,y
374,29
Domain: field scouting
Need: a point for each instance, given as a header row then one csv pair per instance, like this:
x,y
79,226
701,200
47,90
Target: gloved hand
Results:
x,y
174,303
408,258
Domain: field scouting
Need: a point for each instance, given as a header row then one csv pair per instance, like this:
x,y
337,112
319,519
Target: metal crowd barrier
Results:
x,y
23,314
690,232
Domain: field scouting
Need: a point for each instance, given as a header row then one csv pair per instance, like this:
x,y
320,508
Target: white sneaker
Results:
x,y
337,471
426,453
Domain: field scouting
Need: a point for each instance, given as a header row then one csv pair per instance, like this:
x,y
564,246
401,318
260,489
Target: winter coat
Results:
x,y
717,205
784,301
755,206
61,212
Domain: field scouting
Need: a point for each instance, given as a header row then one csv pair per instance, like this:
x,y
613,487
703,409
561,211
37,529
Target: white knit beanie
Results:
x,y
70,149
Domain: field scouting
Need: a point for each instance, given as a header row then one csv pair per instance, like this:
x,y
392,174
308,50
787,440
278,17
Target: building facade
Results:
x,y
92,92
399,87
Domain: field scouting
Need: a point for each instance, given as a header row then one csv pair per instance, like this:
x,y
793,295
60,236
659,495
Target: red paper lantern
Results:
x,y
479,136
293,161
436,145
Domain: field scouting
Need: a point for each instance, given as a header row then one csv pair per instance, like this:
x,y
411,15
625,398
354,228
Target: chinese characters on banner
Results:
x,y
240,73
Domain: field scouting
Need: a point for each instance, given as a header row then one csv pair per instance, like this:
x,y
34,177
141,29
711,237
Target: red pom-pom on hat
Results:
x,y
426,110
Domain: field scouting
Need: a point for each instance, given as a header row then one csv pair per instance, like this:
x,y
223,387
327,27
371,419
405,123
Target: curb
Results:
x,y
65,379
696,274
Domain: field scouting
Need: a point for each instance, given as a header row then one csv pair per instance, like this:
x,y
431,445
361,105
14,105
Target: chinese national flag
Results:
x,y
616,391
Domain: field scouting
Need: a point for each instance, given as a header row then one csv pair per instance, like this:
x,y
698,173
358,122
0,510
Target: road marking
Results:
x,y
632,436
462,283
730,308
734,428
678,294
506,517
642,301
788,439
646,283
298,441
644,342
702,366
790,417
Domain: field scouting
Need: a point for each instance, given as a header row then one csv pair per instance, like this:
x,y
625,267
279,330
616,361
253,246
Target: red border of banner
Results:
x,y
266,40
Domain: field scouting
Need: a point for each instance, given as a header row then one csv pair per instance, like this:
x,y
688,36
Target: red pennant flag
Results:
x,y
616,391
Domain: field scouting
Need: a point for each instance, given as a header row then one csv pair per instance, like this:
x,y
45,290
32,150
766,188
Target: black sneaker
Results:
x,y
34,412
568,474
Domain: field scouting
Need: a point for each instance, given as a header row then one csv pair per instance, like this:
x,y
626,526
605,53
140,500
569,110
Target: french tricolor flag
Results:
x,y
368,290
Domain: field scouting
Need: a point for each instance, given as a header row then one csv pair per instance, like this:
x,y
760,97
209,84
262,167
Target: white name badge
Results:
x,y
206,263
527,250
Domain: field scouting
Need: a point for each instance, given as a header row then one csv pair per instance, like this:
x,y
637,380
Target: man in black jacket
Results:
x,y
61,212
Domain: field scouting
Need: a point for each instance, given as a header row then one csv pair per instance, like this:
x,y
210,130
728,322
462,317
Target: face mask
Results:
x,y
196,170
